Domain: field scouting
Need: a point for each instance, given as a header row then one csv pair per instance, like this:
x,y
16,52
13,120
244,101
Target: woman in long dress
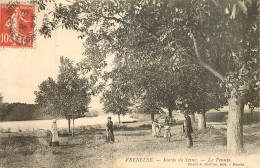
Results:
x,y
156,128
153,129
54,131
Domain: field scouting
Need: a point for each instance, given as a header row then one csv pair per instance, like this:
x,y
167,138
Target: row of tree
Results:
x,y
171,53
21,112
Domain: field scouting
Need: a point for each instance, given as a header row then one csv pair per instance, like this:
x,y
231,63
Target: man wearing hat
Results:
x,y
54,131
110,133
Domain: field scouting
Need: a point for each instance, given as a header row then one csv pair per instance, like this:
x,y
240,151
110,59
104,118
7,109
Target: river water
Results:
x,y
15,126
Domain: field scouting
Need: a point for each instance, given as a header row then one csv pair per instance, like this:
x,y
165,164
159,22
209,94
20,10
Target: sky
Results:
x,y
23,69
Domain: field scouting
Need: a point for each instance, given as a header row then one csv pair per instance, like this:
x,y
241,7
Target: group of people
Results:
x,y
186,129
156,130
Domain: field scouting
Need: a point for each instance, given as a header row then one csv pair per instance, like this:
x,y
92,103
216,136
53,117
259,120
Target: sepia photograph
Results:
x,y
129,84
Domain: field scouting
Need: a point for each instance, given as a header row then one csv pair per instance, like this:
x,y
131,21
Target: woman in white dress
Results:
x,y
156,128
154,124
54,131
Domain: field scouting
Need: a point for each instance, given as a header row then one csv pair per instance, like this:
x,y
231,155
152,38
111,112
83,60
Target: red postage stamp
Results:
x,y
17,25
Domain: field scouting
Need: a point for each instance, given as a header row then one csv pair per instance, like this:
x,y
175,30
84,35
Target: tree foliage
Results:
x,y
67,96
199,91
116,98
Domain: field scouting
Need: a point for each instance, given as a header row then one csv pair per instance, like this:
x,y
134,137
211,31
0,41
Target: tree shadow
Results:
x,y
220,141
252,139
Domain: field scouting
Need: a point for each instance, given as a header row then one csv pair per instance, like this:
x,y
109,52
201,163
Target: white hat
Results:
x,y
54,120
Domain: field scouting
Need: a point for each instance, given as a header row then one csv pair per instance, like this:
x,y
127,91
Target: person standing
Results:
x,y
166,120
154,124
167,131
157,128
187,129
110,131
54,131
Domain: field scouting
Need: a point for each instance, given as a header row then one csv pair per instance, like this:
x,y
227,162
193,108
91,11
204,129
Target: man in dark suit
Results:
x,y
187,129
110,132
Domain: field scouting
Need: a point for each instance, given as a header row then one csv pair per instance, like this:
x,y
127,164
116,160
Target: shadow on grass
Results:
x,y
211,136
252,139
220,141
132,134
141,127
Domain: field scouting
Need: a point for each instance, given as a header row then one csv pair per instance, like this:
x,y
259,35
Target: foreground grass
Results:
x,y
90,150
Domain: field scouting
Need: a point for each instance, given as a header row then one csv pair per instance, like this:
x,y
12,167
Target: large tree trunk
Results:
x,y
170,113
251,115
69,124
152,116
202,121
235,126
119,122
192,117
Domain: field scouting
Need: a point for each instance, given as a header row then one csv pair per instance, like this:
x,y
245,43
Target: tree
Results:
x,y
67,96
116,102
149,105
202,93
167,87
116,98
46,95
154,88
231,56
219,36
134,84
4,111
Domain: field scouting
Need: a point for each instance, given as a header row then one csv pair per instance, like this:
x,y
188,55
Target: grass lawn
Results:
x,y
90,150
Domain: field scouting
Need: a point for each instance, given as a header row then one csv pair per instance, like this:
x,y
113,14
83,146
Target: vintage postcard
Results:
x,y
129,83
